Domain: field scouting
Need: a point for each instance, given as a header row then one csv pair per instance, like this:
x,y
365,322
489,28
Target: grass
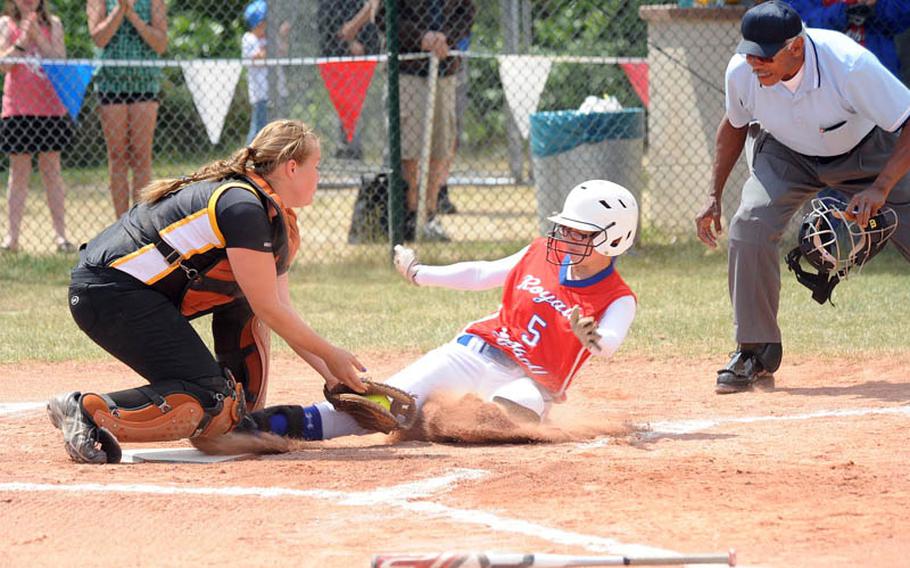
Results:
x,y
684,310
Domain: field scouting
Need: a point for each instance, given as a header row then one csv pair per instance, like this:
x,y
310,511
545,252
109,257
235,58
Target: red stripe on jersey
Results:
x,y
532,325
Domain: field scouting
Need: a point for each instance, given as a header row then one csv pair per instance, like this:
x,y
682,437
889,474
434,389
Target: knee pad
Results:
x,y
171,412
242,344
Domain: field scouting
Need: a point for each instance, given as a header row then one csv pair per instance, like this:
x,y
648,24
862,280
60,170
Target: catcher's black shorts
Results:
x,y
34,134
139,326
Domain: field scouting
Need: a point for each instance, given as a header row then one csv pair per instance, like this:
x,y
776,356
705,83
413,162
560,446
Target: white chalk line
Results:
x,y
405,496
13,408
681,427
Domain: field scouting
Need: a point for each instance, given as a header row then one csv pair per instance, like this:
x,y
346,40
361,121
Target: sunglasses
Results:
x,y
568,233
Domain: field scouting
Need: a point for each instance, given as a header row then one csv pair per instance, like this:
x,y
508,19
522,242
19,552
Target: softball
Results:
x,y
381,400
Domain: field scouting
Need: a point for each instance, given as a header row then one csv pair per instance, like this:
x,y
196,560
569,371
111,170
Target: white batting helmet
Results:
x,y
606,209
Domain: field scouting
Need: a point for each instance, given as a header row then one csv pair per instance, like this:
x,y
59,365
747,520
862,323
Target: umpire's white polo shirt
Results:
x,y
845,92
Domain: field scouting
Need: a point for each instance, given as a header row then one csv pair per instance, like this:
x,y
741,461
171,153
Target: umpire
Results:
x,y
813,109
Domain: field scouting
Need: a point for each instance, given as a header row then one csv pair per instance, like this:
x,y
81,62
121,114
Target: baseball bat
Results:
x,y
511,560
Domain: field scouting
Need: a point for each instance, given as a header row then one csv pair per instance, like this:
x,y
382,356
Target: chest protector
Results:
x,y
181,251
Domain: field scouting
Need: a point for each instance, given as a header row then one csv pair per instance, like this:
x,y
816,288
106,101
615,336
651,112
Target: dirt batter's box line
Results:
x,y
400,496
682,427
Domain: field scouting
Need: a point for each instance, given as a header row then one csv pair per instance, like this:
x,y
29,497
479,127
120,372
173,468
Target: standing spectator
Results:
x,y
872,23
434,26
253,46
445,204
34,121
347,30
128,96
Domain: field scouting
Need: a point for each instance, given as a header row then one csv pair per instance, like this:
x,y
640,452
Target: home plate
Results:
x,y
176,455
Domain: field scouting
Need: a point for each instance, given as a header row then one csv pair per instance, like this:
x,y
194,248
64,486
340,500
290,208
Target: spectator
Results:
x,y
445,204
434,26
872,23
128,96
253,46
347,30
34,121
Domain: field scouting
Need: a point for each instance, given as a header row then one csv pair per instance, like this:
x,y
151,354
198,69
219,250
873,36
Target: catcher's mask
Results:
x,y
836,245
598,216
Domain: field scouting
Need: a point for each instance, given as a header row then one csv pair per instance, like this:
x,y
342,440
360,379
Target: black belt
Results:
x,y
830,159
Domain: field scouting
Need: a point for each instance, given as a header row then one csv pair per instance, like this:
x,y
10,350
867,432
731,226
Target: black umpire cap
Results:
x,y
767,27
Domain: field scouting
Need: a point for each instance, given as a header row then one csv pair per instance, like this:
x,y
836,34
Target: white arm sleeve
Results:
x,y
614,325
472,275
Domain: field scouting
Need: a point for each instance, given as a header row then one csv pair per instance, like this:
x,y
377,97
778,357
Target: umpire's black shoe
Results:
x,y
744,371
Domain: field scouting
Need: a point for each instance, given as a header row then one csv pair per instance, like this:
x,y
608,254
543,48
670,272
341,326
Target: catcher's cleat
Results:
x,y
81,437
748,369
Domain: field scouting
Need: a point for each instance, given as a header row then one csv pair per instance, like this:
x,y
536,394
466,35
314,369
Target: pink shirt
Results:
x,y
26,89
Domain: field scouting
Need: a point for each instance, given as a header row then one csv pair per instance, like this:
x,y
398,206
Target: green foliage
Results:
x,y
195,35
588,27
75,28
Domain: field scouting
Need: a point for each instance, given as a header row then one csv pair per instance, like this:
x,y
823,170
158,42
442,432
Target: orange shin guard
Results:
x,y
255,342
179,416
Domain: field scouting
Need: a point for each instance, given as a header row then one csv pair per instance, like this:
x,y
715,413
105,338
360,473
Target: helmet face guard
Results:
x,y
836,245
567,245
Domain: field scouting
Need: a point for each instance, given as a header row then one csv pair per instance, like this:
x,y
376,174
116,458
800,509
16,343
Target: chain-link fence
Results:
x,y
531,97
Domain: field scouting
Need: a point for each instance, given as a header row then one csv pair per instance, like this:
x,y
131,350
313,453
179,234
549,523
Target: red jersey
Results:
x,y
532,324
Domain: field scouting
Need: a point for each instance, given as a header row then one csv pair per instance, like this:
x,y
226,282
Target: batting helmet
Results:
x,y
604,211
836,245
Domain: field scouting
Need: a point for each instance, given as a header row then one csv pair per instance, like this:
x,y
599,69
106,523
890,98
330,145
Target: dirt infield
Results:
x,y
814,473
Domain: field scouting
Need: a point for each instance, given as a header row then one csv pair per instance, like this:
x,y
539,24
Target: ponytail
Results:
x,y
277,143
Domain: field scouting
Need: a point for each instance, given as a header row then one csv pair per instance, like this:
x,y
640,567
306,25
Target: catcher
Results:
x,y
563,300
218,242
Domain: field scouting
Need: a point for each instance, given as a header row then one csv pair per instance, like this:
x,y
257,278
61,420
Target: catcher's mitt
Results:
x,y
370,414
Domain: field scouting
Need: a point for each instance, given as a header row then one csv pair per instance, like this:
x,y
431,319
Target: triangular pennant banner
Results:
x,y
69,81
347,83
212,85
523,78
637,73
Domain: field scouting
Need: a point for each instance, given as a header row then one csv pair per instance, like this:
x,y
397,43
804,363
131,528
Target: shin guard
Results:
x,y
169,416
242,345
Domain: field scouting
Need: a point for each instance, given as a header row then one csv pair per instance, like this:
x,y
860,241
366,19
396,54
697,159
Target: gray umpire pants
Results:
x,y
781,181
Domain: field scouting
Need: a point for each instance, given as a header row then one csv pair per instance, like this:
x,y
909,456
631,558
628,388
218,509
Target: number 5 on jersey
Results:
x,y
534,326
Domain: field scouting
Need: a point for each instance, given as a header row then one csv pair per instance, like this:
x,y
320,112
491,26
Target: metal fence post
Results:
x,y
396,198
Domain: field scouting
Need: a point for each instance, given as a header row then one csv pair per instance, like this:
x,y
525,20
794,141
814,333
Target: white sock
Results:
x,y
336,424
